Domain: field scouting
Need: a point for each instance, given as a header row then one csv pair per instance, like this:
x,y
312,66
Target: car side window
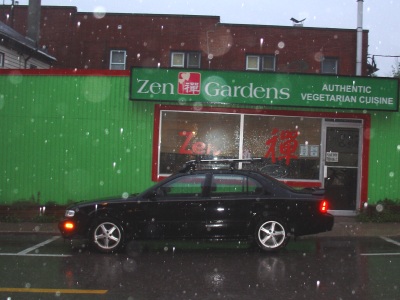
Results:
x,y
234,184
253,186
185,186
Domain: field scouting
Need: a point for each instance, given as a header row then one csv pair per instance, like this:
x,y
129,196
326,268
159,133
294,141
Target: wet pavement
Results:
x,y
44,266
353,261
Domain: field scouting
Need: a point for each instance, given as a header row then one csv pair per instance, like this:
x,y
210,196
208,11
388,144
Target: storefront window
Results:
x,y
289,146
189,135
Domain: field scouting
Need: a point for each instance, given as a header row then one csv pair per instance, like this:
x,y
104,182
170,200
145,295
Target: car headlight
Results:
x,y
69,213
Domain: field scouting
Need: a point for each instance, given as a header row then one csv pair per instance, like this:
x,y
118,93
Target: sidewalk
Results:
x,y
348,226
344,226
29,227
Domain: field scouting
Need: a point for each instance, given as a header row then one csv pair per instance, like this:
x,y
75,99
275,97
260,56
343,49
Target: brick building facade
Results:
x,y
83,40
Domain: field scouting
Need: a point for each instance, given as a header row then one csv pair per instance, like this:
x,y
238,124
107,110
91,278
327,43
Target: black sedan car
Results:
x,y
202,204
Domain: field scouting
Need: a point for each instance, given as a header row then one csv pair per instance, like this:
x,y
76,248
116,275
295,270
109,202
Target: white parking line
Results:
x,y
40,255
380,254
33,248
30,249
389,240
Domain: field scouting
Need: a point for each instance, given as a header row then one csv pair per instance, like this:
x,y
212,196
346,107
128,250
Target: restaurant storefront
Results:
x,y
234,115
77,135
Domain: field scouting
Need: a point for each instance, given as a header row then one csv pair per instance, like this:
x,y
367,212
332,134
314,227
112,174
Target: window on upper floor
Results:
x,y
117,60
265,63
329,65
1,59
190,60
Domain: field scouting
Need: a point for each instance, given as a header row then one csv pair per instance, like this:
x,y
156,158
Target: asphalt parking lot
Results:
x,y
41,265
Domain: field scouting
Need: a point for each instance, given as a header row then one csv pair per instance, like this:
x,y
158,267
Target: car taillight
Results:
x,y
69,226
323,206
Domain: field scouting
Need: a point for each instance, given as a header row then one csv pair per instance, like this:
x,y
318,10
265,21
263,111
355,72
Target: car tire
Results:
x,y
106,236
271,235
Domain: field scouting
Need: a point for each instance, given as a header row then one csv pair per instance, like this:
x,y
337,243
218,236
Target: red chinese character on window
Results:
x,y
287,141
271,142
288,145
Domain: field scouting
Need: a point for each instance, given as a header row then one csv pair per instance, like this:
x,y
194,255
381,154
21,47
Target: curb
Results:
x,y
29,227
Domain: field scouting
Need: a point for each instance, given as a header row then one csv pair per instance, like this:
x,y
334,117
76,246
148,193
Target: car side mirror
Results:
x,y
152,195
159,193
163,191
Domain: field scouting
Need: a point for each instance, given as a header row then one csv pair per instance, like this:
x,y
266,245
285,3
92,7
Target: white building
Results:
x,y
19,52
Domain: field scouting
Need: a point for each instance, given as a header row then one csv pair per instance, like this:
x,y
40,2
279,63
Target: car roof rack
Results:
x,y
191,165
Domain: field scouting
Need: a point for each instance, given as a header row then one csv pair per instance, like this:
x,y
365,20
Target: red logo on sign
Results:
x,y
189,83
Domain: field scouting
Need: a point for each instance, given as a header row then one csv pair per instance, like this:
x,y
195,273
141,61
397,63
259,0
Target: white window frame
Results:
x,y
178,56
332,60
117,64
249,66
182,59
259,66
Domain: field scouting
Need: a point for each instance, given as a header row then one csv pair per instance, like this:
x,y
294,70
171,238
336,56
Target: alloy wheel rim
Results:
x,y
271,234
107,235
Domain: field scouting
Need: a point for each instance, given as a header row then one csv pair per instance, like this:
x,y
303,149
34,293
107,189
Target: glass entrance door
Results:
x,y
342,165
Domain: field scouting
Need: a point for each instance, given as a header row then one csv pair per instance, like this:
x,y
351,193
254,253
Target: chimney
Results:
x,y
359,37
33,31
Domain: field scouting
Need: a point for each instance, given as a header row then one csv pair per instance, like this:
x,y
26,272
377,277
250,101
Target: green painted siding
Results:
x,y
384,162
77,137
72,138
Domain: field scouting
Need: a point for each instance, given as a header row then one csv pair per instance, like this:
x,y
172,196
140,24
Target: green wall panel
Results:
x,y
384,162
77,137
72,138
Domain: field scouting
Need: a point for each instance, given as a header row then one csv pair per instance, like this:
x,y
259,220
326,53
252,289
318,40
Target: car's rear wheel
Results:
x,y
107,236
271,235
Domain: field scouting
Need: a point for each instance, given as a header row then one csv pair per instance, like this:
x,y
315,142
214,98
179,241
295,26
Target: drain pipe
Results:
x,y
359,37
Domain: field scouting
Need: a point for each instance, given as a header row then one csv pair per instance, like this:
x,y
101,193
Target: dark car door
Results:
x,y
175,207
229,209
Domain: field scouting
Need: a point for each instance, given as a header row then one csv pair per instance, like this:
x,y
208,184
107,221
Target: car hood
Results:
x,y
103,201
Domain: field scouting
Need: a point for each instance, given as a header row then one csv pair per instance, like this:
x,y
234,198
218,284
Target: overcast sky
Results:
x,y
380,16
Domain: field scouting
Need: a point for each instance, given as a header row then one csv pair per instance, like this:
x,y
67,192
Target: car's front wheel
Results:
x,y
106,236
271,235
